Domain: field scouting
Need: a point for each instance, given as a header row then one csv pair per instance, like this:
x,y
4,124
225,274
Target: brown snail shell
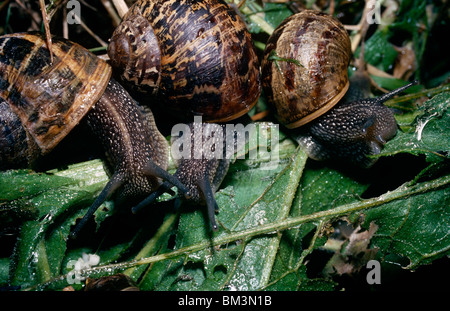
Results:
x,y
305,67
49,99
197,57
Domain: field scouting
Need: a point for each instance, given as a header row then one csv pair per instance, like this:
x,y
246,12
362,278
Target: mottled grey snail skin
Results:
x,y
137,158
201,169
41,101
202,177
352,130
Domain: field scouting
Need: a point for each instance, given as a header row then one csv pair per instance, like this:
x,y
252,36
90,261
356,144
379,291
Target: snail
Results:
x,y
41,102
197,58
304,77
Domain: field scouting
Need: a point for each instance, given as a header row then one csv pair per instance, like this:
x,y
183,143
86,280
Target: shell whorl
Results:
x,y
49,98
134,52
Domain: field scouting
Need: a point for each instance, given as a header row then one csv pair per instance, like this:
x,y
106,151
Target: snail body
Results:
x,y
198,59
305,79
42,101
202,174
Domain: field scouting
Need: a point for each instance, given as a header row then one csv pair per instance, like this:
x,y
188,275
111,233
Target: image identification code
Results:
x,y
232,300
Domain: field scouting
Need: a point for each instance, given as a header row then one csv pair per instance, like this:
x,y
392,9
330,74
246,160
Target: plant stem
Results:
x,y
283,224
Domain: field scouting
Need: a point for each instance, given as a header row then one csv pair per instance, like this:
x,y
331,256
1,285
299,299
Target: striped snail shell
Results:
x,y
311,76
196,56
46,100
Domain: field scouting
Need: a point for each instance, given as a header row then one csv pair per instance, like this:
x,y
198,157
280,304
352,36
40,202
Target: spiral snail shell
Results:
x,y
197,57
316,78
47,101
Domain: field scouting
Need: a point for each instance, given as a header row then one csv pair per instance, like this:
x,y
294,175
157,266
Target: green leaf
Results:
x,y
4,271
416,227
271,220
428,134
275,13
379,51
242,209
242,259
24,183
41,244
